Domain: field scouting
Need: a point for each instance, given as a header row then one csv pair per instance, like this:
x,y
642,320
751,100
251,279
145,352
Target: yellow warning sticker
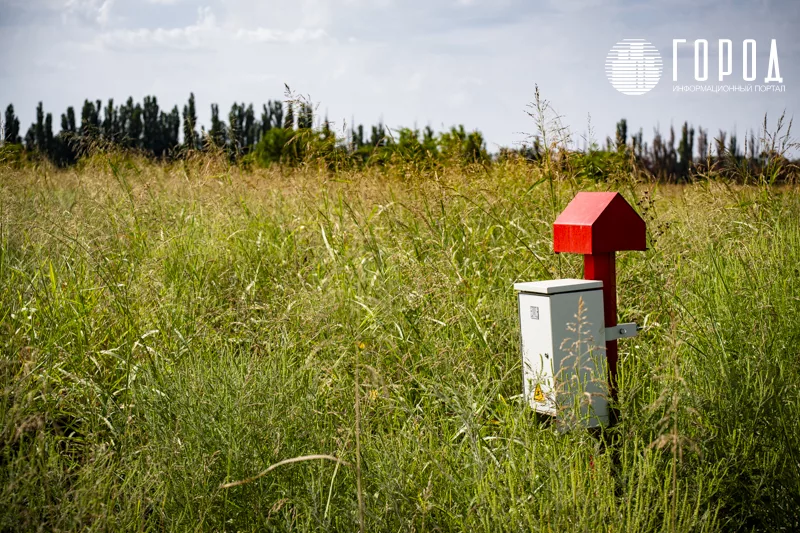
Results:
x,y
538,395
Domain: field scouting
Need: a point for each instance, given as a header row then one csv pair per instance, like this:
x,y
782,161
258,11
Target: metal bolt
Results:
x,y
622,331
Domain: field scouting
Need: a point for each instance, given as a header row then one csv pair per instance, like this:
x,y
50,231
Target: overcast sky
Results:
x,y
407,62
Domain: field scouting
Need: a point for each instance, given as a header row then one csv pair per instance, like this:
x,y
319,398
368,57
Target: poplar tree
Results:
x,y
288,123
135,126
152,138
622,135
110,124
190,124
236,129
90,120
217,131
685,149
67,139
11,127
277,114
170,130
38,130
266,119
251,128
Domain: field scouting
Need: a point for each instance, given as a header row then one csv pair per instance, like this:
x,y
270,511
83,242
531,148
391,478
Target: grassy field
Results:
x,y
168,330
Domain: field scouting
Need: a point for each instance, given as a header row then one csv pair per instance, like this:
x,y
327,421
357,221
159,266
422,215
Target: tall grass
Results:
x,y
170,330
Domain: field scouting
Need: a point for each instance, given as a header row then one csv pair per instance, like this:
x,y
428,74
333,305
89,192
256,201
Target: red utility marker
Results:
x,y
597,224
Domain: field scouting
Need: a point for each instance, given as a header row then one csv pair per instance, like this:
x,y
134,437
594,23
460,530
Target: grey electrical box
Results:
x,y
563,350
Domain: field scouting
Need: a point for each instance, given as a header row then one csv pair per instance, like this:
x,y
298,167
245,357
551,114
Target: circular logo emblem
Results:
x,y
633,66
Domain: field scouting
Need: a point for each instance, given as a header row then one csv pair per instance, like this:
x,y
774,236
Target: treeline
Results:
x,y
279,132
695,155
287,132
697,152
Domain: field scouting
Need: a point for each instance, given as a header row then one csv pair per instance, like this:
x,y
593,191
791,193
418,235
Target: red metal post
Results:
x,y
597,224
602,267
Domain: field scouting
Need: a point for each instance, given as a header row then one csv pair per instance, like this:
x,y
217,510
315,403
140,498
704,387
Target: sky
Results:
x,y
404,62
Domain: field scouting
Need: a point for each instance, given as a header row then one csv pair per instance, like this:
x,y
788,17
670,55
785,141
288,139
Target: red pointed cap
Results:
x,y
598,222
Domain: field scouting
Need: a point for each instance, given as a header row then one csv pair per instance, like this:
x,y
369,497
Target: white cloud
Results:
x,y
104,12
266,35
196,35
205,33
88,11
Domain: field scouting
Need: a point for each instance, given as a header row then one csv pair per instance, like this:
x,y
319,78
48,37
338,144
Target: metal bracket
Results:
x,y
622,331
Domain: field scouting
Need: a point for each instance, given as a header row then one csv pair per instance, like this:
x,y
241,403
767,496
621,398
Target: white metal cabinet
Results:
x,y
563,349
